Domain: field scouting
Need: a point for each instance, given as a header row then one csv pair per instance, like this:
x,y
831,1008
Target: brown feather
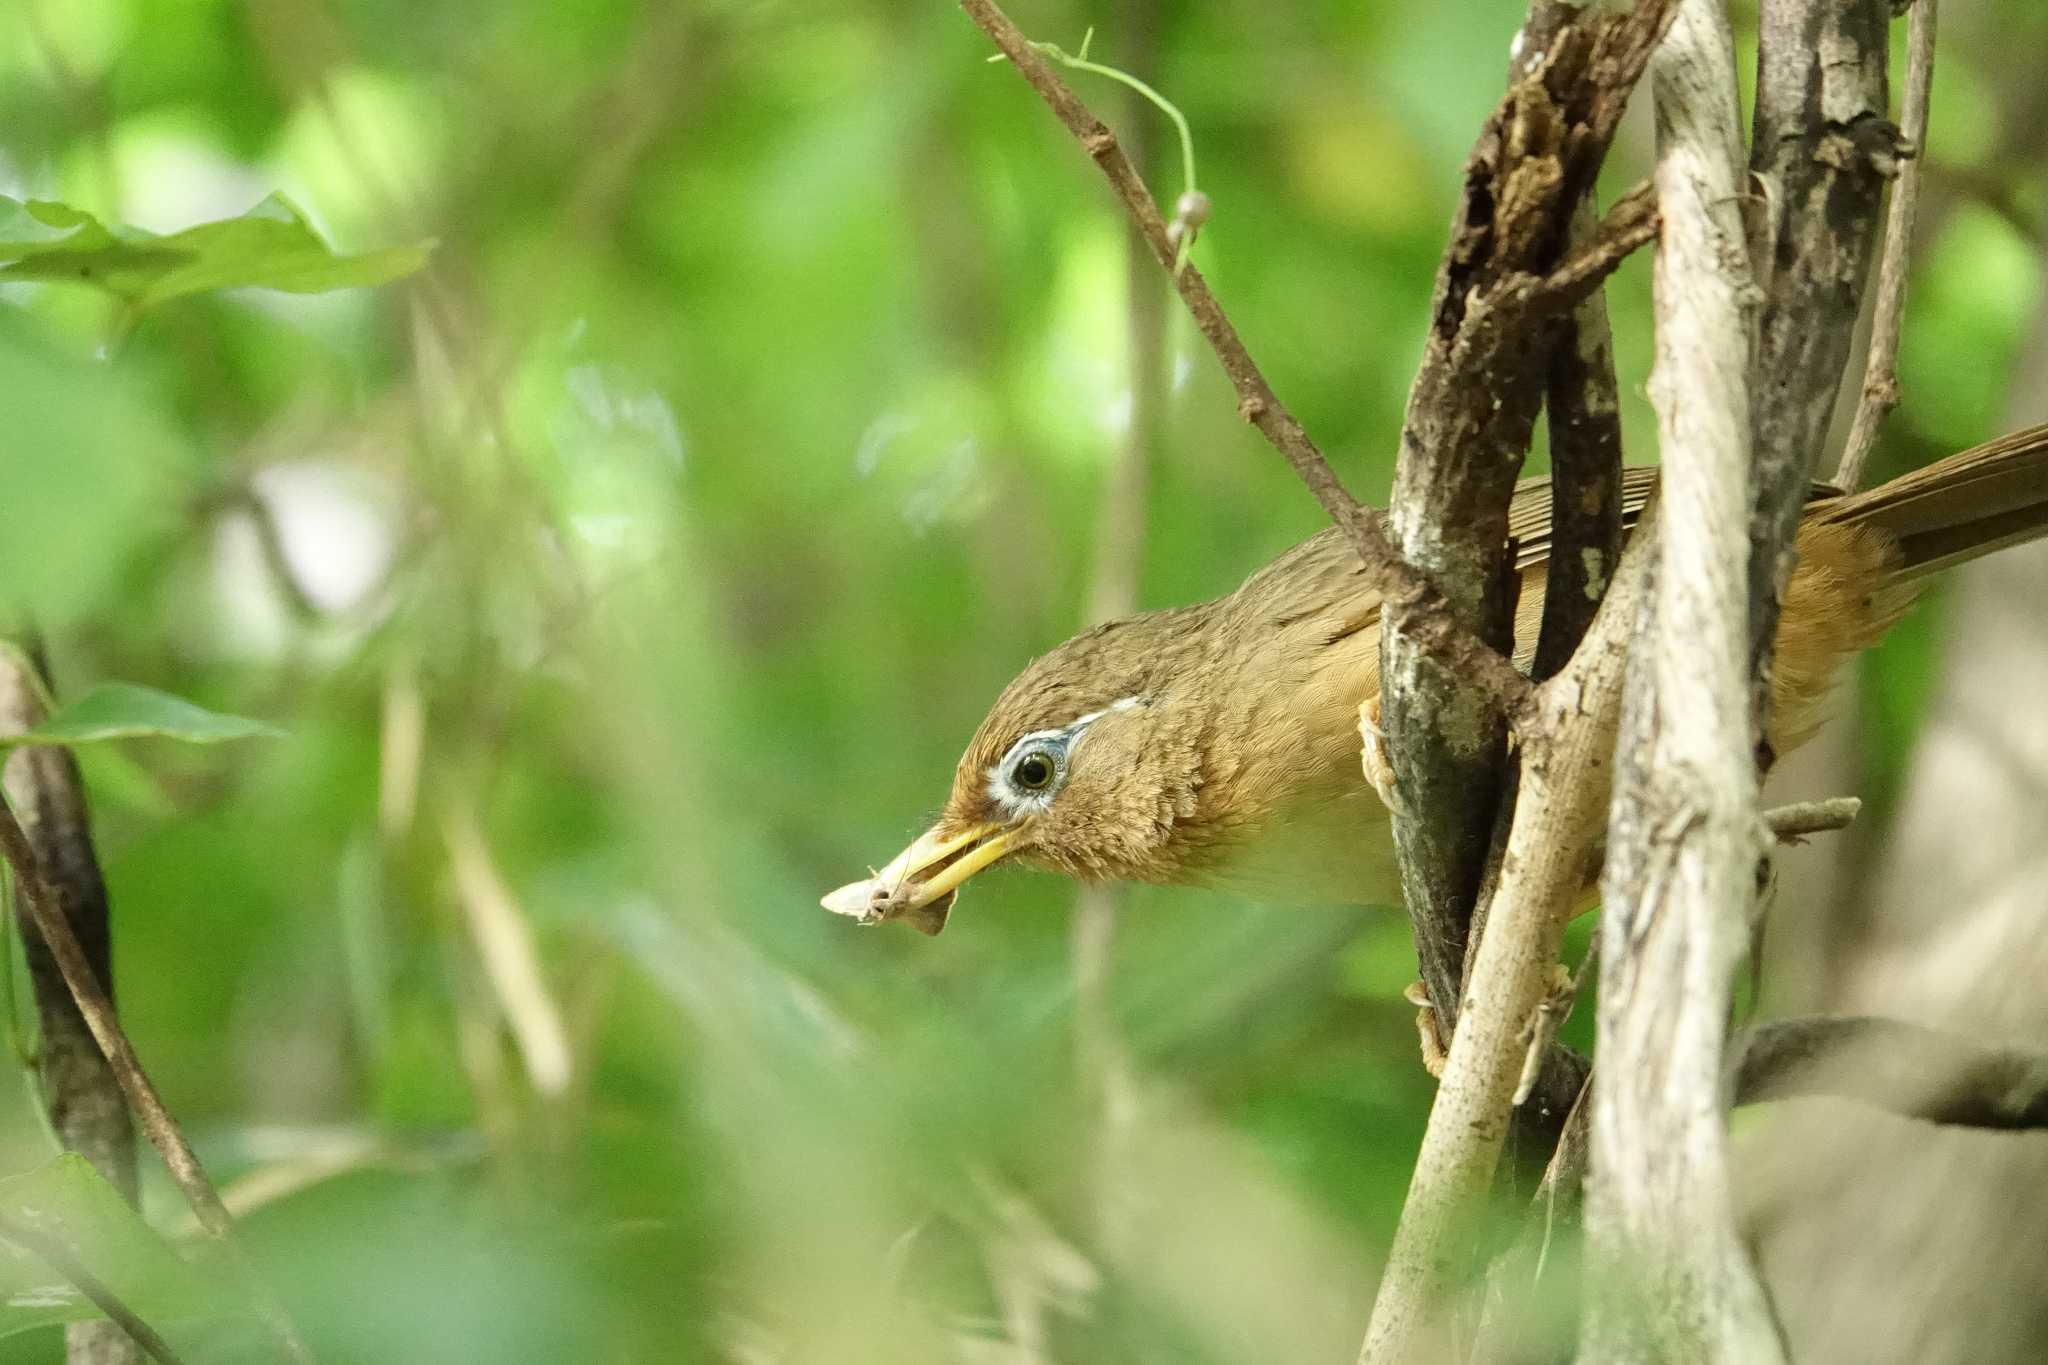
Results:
x,y
1240,764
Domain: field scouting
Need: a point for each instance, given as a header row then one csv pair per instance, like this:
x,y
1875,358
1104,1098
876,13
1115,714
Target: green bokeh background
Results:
x,y
749,430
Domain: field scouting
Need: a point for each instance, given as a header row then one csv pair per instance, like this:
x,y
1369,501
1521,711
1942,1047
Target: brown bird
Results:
x,y
1219,744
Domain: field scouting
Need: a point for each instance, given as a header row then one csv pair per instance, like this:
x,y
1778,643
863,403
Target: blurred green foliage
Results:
x,y
635,573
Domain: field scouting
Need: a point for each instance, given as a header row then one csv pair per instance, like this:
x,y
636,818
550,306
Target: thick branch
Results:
x,y
1822,150
1881,372
1911,1071
1568,741
1502,291
1904,1069
1669,1277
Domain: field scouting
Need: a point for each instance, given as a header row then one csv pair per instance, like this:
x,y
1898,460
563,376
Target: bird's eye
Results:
x,y
1034,772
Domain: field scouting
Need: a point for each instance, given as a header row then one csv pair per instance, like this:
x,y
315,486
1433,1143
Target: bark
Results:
x,y
1567,749
1471,410
1583,413
1821,152
1881,373
1669,1279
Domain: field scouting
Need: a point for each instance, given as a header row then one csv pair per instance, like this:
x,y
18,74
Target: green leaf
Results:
x,y
39,227
272,246
118,710
65,1211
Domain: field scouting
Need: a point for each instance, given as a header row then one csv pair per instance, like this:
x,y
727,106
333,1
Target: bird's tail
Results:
x,y
1976,501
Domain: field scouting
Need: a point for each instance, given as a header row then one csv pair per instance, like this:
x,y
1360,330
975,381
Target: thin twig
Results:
x,y
148,1106
1079,62
1793,822
1406,595
1551,1013
59,1258
1629,225
1881,372
505,947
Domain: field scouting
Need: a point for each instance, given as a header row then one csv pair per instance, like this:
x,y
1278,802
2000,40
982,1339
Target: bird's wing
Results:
x,y
1529,525
1318,606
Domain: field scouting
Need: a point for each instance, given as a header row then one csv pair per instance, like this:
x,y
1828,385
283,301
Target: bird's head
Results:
x,y
1084,766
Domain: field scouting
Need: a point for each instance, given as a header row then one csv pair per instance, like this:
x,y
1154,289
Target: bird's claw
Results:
x,y
1379,773
1433,1055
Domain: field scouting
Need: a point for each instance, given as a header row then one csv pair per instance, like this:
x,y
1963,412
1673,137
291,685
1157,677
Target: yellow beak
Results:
x,y
920,883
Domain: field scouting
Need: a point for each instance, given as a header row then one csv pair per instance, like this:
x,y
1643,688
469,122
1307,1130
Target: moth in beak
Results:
x,y
920,884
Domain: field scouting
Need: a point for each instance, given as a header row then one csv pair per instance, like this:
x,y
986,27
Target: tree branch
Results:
x,y
1406,595
1821,151
1630,225
1669,1277
1793,823
45,911
1902,1068
122,1321
1881,372
1583,410
78,1088
1906,1069
1568,742
1502,291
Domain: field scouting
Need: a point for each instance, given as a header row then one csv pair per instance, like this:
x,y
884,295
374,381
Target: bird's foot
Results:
x,y
1373,755
1541,1031
1433,1054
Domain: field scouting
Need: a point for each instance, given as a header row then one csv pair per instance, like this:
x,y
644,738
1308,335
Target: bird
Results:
x,y
1227,744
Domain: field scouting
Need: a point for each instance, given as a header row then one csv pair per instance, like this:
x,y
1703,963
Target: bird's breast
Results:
x,y
1332,848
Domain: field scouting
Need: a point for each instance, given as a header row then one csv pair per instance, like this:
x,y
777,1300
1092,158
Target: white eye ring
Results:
x,y
1007,784
1046,750
1038,768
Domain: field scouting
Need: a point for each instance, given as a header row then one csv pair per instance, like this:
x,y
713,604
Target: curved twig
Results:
x,y
1406,594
